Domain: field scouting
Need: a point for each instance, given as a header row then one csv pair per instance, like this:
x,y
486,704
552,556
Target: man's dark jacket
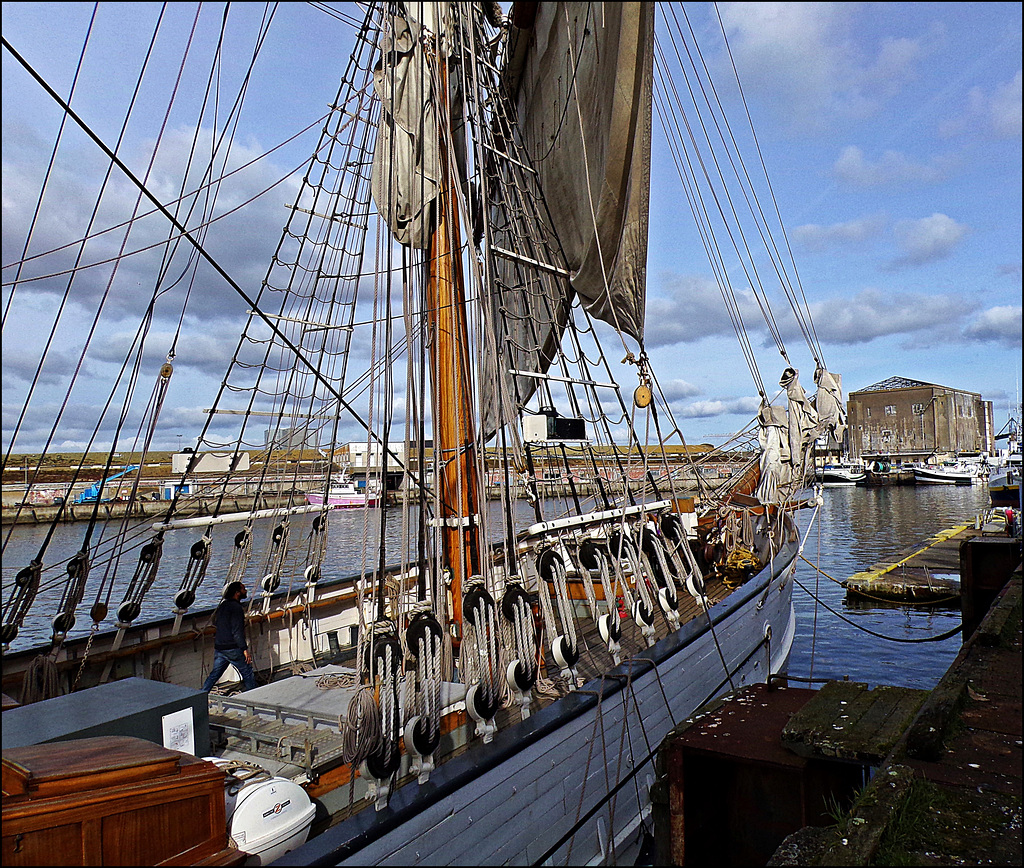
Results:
x,y
230,626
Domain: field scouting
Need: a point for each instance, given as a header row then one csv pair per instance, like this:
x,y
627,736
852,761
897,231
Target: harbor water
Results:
x,y
878,642
855,528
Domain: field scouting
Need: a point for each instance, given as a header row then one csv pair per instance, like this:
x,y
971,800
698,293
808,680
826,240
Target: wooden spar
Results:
x,y
451,379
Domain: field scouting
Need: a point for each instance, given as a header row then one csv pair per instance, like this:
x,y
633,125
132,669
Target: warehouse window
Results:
x,y
890,409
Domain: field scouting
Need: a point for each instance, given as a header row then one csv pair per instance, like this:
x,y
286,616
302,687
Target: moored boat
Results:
x,y
1004,483
344,493
840,474
954,473
1004,477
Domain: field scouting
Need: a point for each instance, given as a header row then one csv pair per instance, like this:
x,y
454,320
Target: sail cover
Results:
x,y
583,100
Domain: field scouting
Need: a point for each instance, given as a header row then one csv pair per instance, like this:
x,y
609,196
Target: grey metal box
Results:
x,y
166,714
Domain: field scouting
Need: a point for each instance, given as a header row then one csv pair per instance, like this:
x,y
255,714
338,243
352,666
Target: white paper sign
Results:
x,y
179,731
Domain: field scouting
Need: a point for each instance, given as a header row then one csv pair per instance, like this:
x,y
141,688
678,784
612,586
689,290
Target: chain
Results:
x,y
85,657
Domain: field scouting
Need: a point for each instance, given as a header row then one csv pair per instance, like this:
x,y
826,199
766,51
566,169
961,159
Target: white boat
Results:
x,y
1004,478
841,474
465,240
952,473
1004,482
344,493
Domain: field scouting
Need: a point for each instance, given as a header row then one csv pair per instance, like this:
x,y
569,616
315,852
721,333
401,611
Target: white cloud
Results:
x,y
927,239
892,167
1001,324
676,389
806,58
816,237
1005,108
80,178
747,406
874,313
995,112
689,309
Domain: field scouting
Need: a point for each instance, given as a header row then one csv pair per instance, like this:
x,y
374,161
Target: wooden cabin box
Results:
x,y
113,800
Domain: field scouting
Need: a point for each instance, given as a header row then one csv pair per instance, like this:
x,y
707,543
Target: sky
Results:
x,y
891,133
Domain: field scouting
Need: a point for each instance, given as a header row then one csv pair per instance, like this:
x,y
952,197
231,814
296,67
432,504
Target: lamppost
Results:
x,y
179,442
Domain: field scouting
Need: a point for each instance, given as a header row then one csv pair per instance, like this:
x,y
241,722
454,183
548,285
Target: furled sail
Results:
x,y
776,465
829,404
584,106
803,423
406,161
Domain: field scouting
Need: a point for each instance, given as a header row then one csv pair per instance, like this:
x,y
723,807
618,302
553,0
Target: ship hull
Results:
x,y
1006,495
845,476
576,774
1004,484
540,791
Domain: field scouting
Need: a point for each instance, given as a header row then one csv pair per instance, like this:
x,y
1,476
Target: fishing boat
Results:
x,y
492,681
948,473
841,474
1004,477
880,472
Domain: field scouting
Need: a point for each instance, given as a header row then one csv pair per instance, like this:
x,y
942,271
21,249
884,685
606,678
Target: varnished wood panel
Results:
x,y
168,808
143,836
56,845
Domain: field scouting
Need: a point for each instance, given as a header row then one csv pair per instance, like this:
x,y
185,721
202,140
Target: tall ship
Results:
x,y
460,286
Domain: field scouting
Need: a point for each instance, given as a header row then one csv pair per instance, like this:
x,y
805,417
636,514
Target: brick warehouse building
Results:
x,y
908,420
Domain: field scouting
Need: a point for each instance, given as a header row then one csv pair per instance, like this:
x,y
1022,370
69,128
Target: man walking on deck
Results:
x,y
229,647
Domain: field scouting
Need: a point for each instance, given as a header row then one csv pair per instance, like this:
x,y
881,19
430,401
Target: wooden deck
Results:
x,y
287,747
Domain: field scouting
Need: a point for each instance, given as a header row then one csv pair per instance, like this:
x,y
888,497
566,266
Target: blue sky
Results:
x,y
891,133
892,136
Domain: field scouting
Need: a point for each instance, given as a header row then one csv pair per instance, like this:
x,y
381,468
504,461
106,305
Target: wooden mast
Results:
x,y
454,429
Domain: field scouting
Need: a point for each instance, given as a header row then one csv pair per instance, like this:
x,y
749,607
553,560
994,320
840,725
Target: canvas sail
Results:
x,y
584,106
579,77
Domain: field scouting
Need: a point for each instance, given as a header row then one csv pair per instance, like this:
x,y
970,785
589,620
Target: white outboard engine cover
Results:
x,y
267,817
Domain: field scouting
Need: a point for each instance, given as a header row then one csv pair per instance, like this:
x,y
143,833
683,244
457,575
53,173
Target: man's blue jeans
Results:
x,y
222,658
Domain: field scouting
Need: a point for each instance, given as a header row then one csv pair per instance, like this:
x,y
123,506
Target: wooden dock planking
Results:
x,y
846,720
923,575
